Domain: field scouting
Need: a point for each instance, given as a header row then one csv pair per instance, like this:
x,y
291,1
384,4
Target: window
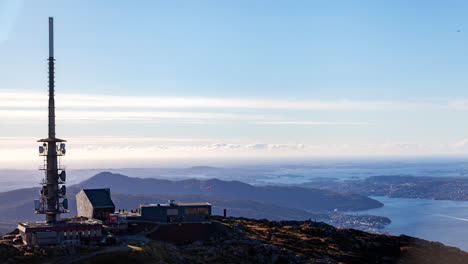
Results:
x,y
192,211
172,211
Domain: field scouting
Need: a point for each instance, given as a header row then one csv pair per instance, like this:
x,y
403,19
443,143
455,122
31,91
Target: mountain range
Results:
x,y
240,199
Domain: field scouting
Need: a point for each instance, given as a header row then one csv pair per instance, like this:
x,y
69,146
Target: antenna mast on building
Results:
x,y
53,188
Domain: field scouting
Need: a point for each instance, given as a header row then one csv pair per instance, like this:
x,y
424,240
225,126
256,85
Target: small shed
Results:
x,y
95,203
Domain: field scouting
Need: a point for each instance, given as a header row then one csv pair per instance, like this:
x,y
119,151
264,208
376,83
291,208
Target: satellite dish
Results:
x,y
63,190
65,203
63,176
62,148
41,149
37,205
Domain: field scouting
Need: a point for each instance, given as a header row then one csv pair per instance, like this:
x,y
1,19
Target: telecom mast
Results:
x,y
53,185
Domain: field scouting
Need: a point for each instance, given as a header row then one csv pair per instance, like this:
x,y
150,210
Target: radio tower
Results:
x,y
52,148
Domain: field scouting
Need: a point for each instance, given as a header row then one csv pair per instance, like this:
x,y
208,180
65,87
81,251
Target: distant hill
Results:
x,y
240,199
438,188
7,226
294,197
17,207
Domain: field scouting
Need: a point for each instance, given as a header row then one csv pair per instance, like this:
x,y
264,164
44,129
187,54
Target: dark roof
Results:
x,y
176,204
51,140
193,204
99,197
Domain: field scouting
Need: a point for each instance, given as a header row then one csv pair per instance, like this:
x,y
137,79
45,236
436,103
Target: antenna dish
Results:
x,y
41,149
65,203
62,148
63,176
37,205
63,190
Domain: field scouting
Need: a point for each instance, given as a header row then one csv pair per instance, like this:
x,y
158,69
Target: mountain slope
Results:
x,y
240,199
295,197
23,210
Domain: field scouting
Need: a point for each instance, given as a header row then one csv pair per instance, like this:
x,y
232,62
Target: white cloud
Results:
x,y
402,145
462,143
461,104
123,151
34,100
310,123
258,146
114,141
123,115
274,147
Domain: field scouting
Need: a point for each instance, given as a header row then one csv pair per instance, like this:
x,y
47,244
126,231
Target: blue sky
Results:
x,y
231,79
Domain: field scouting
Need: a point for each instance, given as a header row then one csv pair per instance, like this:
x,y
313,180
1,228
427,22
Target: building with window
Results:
x,y
75,231
95,203
173,212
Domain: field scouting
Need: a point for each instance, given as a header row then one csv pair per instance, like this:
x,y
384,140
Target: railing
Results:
x,y
44,154
45,182
59,167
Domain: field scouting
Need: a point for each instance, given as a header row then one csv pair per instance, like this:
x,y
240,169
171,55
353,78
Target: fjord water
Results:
x,y
434,220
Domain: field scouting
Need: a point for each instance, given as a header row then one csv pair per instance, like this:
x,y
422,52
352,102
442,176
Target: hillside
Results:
x,y
240,240
17,206
294,197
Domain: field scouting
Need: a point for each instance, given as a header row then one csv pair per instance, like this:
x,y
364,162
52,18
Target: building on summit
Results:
x,y
95,203
172,212
72,231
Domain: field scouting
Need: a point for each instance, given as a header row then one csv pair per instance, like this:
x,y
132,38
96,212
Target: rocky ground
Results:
x,y
239,240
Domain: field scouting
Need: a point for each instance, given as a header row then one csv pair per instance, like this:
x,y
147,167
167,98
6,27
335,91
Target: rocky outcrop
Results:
x,y
241,240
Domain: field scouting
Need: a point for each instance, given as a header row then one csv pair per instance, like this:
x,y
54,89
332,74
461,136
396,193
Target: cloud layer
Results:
x,y
269,128
194,110
34,100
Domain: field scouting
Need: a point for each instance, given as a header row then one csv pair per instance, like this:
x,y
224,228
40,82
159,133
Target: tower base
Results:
x,y
75,231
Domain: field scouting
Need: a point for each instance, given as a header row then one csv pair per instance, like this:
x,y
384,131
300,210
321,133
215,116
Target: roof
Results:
x,y
79,220
176,204
51,140
99,198
192,204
